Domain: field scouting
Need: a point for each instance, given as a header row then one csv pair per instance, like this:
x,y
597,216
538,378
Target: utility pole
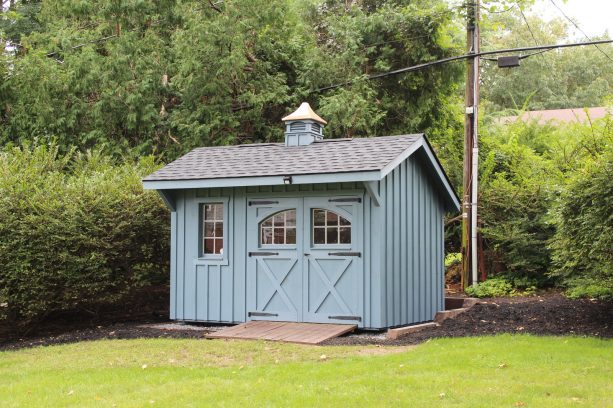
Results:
x,y
471,149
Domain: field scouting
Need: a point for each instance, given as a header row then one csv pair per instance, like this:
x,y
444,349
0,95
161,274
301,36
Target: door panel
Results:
x,y
274,271
333,273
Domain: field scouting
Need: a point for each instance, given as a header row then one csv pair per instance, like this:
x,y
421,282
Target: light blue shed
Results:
x,y
310,230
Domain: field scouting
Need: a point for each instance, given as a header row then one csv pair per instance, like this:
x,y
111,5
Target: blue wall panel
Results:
x,y
413,269
402,245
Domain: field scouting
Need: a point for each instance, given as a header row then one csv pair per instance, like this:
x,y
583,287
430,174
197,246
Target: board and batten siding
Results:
x,y
214,291
411,241
402,247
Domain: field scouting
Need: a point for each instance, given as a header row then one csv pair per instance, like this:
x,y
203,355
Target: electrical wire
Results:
x,y
551,70
578,28
462,57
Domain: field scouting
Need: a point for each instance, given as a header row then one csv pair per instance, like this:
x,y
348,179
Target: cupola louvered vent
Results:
x,y
303,127
297,127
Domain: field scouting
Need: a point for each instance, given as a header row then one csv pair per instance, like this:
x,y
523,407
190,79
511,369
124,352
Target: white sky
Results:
x,y
592,16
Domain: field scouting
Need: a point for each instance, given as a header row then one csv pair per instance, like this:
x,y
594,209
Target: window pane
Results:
x,y
345,235
319,218
331,218
279,220
209,246
209,212
219,229
219,246
319,235
332,236
209,228
266,236
343,221
219,212
279,236
212,231
290,218
290,235
279,228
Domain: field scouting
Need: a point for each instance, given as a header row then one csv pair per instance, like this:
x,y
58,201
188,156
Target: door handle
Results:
x,y
307,254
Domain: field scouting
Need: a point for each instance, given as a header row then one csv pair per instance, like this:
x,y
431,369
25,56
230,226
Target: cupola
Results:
x,y
303,127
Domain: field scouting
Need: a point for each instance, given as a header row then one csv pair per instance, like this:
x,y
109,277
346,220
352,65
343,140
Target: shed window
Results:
x,y
330,228
212,228
279,229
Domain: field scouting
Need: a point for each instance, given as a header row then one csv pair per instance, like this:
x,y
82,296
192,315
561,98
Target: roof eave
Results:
x,y
344,177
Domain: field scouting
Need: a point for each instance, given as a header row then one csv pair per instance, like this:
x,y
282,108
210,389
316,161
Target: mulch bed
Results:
x,y
548,314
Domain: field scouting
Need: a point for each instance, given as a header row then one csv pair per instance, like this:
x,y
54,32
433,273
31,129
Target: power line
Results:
x,y
463,57
578,28
523,16
537,43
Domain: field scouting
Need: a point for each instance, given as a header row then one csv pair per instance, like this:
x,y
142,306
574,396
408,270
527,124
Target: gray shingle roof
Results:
x,y
276,159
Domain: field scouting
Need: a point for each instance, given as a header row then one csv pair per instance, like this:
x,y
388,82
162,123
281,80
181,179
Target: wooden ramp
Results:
x,y
292,332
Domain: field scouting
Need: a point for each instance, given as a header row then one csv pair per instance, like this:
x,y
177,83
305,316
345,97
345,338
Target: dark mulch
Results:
x,y
548,314
123,330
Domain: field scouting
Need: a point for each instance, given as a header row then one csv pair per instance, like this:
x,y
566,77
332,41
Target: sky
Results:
x,y
594,17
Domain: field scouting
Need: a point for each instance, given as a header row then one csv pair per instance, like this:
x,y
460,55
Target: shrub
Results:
x,y
453,258
493,287
76,232
515,198
582,245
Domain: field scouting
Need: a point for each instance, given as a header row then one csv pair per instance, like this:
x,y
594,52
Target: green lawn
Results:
x,y
487,371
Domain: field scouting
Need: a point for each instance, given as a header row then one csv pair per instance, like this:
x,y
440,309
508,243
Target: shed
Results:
x,y
310,230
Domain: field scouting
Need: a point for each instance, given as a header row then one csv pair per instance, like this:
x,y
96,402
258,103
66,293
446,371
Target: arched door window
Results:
x,y
330,228
279,229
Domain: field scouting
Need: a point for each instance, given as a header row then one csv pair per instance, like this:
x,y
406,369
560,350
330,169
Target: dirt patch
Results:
x,y
548,314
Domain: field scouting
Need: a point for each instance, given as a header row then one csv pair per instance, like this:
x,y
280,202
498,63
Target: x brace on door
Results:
x,y
277,284
331,284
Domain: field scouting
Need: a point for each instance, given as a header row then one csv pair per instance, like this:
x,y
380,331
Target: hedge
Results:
x,y
583,243
77,232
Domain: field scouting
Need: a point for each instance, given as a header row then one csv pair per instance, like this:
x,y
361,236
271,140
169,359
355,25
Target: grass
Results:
x,y
475,372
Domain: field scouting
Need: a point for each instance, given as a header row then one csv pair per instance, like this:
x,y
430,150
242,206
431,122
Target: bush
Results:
x,y
582,245
493,287
76,232
452,259
515,198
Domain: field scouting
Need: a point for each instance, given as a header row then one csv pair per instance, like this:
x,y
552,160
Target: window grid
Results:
x,y
330,228
212,229
279,229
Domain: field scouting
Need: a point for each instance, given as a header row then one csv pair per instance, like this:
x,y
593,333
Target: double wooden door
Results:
x,y
304,260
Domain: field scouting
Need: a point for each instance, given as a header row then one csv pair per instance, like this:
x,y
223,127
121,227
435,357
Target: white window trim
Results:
x,y
213,259
325,227
284,246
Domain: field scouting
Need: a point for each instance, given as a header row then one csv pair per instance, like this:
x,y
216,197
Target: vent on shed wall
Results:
x,y
303,127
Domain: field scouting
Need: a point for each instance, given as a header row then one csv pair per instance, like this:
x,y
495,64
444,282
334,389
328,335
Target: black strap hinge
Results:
x,y
358,254
262,314
345,200
262,202
358,318
263,253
